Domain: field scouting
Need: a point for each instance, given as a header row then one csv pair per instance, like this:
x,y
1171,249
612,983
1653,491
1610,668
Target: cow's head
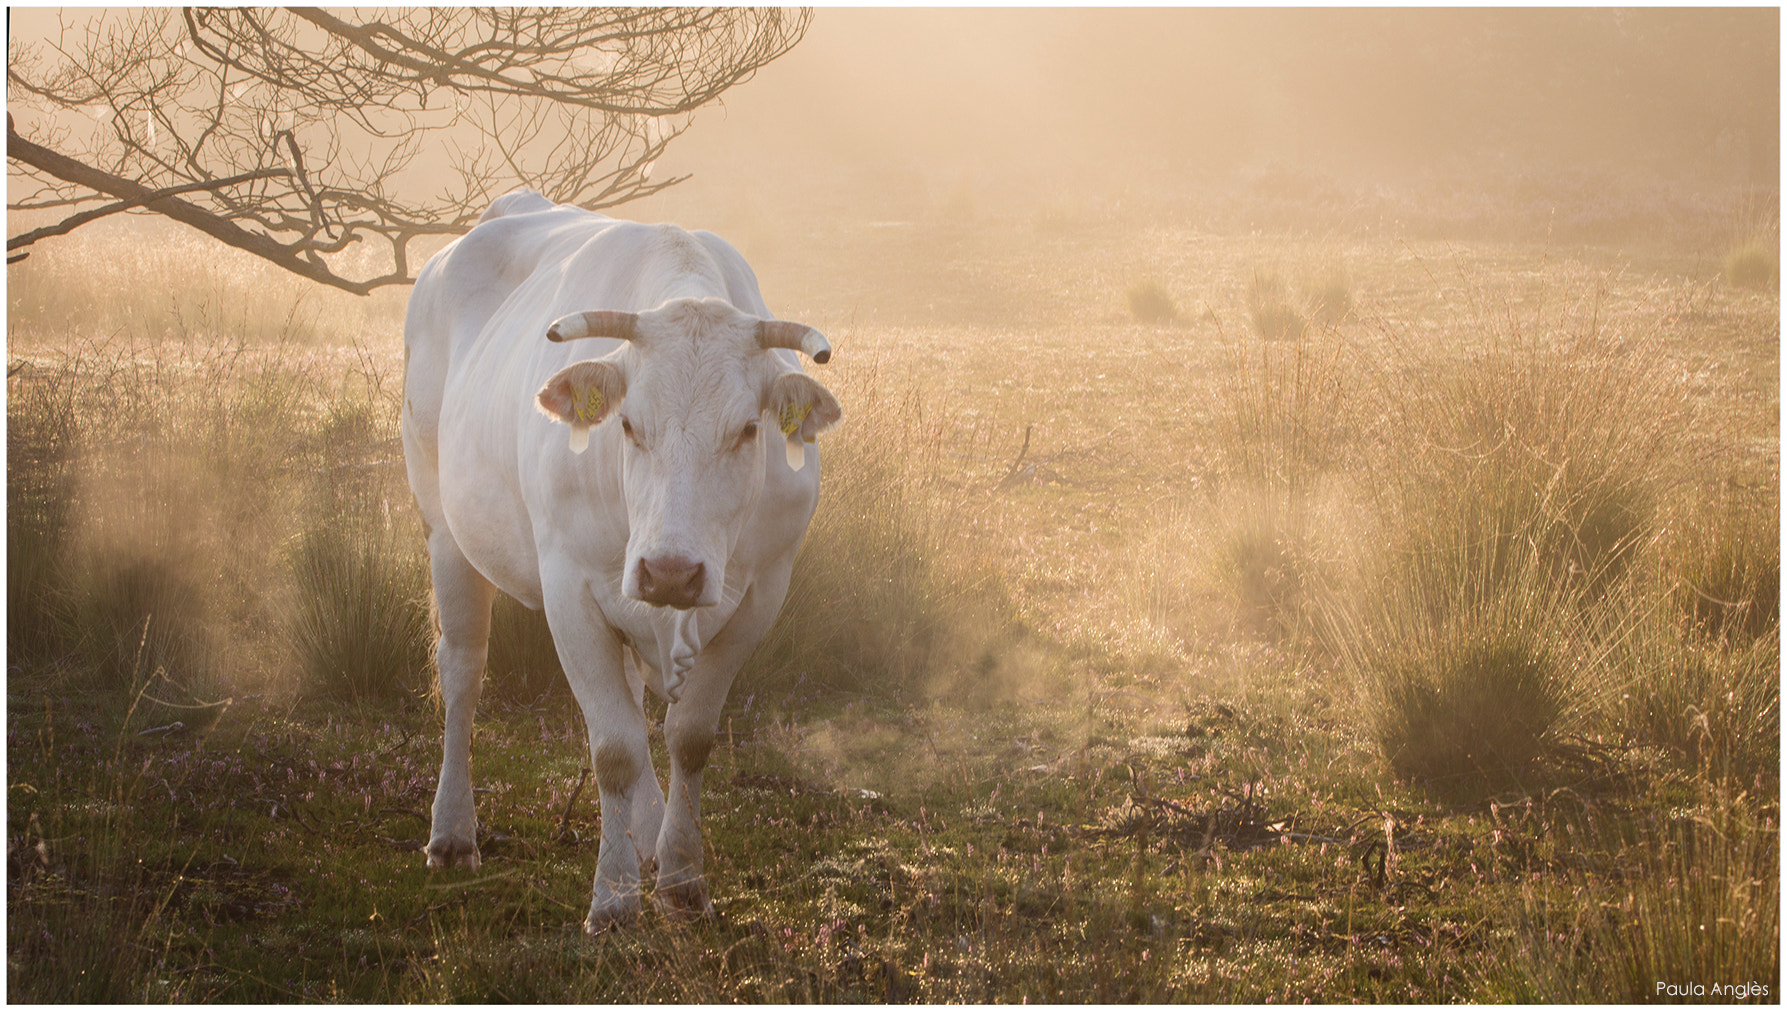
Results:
x,y
700,400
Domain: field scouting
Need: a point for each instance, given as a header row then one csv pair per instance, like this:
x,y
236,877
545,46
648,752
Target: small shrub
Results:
x,y
1269,306
1150,303
1753,265
358,625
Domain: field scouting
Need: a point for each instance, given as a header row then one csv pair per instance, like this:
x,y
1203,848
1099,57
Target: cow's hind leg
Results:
x,y
462,602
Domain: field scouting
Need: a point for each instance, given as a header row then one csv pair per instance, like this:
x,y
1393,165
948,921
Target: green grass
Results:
x,y
1699,907
1431,657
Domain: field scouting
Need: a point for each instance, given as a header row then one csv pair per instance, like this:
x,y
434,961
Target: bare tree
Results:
x,y
297,135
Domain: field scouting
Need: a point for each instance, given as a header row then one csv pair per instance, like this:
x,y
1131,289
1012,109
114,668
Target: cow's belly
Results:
x,y
489,523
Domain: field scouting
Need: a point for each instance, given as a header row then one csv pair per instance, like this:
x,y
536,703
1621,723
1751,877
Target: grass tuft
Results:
x,y
40,485
141,611
1468,695
1725,566
1330,295
1555,445
358,624
1699,906
1275,317
1282,426
1754,265
1522,484
1150,303
1264,557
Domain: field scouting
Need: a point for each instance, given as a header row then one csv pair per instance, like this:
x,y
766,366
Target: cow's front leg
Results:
x,y
462,603
689,727
647,796
591,655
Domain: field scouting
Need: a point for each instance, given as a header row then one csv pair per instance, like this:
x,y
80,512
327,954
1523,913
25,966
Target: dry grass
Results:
x,y
1078,586
891,591
1274,316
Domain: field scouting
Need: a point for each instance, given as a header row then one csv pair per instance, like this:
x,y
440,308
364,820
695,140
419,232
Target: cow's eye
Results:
x,y
748,434
626,426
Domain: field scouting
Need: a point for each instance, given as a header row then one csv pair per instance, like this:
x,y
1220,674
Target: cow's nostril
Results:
x,y
673,581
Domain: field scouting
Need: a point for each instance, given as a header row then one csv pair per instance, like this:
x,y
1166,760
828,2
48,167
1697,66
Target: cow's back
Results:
x,y
463,286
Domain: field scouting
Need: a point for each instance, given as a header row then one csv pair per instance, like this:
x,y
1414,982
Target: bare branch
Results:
x,y
298,135
220,228
75,221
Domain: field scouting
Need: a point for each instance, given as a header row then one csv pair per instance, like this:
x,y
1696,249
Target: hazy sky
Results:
x,y
1026,99
881,111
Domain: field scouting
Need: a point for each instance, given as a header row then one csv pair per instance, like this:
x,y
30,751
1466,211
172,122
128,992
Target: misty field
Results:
x,y
1187,617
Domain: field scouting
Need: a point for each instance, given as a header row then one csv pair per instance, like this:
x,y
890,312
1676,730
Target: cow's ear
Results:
x,y
803,408
581,395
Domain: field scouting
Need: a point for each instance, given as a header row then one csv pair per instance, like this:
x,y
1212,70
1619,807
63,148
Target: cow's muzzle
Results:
x,y
672,581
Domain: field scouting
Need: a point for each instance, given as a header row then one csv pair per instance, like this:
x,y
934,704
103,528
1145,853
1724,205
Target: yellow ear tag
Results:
x,y
585,411
589,407
792,415
790,418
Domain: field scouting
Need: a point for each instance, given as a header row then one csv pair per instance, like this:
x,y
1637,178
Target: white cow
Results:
x,y
648,489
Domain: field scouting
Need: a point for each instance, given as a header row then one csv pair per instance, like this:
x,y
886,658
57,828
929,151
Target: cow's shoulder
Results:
x,y
735,271
505,250
518,202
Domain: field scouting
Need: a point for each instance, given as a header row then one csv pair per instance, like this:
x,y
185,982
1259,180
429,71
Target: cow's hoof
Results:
x,y
683,901
452,852
610,919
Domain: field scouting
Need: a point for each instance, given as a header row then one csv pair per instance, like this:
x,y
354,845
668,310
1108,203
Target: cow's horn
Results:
x,y
600,323
794,337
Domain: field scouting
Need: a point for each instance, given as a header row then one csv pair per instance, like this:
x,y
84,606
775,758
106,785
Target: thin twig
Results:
x,y
564,822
